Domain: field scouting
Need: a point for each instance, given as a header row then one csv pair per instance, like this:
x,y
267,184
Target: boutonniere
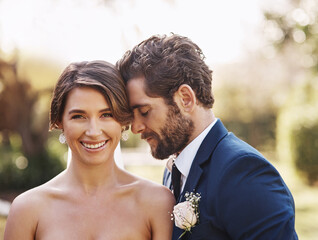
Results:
x,y
186,214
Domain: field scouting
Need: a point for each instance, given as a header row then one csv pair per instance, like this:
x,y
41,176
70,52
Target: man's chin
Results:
x,y
159,158
157,150
157,155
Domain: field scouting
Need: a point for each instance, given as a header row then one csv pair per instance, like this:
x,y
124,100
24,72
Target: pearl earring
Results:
x,y
124,136
62,138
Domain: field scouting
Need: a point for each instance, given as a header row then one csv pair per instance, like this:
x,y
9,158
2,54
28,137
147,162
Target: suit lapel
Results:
x,y
177,233
205,150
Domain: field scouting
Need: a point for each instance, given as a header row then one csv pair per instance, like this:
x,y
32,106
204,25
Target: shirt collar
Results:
x,y
186,157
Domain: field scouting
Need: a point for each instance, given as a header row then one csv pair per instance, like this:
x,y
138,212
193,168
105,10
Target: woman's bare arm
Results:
x,y
162,202
22,219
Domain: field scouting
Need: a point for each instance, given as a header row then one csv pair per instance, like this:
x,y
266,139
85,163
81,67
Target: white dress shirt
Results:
x,y
186,157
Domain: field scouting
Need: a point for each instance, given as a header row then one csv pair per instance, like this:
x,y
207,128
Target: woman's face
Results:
x,y
89,127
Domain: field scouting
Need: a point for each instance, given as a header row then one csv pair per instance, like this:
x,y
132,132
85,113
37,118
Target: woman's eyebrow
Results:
x,y
82,111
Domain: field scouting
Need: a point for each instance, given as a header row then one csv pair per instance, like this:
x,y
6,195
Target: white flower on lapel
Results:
x,y
186,214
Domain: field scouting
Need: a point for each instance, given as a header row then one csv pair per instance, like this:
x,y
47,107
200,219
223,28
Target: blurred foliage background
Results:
x,y
269,98
28,155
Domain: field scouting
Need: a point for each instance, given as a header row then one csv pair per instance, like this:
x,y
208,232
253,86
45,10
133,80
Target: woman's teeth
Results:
x,y
94,146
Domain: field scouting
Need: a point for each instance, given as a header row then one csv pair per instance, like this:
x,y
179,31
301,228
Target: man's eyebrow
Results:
x,y
138,106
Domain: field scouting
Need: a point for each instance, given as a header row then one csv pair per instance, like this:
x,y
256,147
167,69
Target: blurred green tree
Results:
x,y
246,102
294,28
25,160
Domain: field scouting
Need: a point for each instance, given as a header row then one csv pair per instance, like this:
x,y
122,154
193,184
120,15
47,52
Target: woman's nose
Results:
x,y
93,129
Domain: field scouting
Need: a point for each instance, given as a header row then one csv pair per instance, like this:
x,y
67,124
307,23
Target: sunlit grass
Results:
x,y
2,225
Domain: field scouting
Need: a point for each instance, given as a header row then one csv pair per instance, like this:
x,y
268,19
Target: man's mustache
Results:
x,y
149,135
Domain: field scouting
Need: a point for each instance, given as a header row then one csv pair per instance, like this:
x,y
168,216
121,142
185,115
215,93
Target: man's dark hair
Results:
x,y
167,62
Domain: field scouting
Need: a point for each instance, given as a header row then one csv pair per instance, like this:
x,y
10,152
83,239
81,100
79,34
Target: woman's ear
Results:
x,y
186,98
58,125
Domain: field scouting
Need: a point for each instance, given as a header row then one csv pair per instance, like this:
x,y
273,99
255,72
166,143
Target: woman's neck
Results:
x,y
92,178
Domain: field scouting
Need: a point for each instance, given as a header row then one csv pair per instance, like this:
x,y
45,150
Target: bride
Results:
x,y
92,198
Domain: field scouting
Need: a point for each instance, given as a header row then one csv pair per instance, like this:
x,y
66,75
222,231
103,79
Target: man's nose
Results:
x,y
137,125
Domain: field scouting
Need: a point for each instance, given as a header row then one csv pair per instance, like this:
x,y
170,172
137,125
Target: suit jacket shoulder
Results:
x,y
242,194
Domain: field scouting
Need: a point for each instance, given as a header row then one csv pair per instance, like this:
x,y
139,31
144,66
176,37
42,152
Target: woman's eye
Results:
x,y
107,115
77,117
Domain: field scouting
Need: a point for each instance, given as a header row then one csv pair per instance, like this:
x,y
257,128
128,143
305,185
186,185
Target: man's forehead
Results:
x,y
138,97
136,81
146,102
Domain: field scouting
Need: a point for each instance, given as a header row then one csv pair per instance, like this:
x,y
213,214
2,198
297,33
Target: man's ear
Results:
x,y
185,97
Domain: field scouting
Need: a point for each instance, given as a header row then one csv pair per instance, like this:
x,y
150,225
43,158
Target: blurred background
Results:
x,y
264,57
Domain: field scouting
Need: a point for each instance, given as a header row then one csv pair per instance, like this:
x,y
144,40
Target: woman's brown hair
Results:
x,y
99,75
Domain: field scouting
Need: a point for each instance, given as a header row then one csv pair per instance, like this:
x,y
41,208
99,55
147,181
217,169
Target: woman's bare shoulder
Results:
x,y
156,202
34,198
25,211
153,194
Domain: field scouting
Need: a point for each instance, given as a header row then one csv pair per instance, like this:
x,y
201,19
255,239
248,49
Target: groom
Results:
x,y
242,194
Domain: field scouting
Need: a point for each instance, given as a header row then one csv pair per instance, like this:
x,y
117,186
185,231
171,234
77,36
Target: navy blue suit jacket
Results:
x,y
242,194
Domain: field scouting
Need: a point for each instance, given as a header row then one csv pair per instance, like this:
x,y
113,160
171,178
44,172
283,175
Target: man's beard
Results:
x,y
175,134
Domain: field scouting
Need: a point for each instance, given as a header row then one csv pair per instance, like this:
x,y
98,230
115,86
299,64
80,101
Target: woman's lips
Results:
x,y
94,145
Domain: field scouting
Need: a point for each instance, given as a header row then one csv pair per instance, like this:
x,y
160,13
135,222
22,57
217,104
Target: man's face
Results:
x,y
163,126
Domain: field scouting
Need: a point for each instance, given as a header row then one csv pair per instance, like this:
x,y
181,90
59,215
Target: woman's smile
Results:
x,y
95,146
